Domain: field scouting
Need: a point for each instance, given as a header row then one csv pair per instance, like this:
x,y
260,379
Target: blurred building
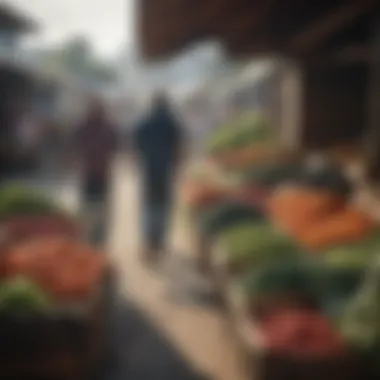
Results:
x,y
16,85
15,81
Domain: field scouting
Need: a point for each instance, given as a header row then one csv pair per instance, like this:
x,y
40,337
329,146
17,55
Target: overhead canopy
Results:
x,y
244,26
13,20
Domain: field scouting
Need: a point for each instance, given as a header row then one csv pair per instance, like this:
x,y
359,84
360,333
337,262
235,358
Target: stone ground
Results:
x,y
161,326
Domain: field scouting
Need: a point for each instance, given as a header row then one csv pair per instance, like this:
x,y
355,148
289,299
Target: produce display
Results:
x,y
64,269
16,201
354,255
247,156
301,333
285,284
21,296
360,322
24,227
252,244
271,174
298,256
252,196
294,209
327,177
243,131
51,284
347,226
225,215
43,260
202,195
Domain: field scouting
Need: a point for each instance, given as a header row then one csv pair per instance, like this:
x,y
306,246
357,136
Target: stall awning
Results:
x,y
244,27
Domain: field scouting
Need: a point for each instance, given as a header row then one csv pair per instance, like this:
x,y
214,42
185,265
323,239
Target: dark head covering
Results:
x,y
157,136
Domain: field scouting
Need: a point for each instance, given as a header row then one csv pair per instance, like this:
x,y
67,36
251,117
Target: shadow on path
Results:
x,y
140,351
187,286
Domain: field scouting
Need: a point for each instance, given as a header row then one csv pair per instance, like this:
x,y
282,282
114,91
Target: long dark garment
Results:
x,y
156,206
157,140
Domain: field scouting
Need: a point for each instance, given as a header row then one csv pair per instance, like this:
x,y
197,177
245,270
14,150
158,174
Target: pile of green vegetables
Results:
x,y
244,131
225,215
15,200
20,296
253,244
342,283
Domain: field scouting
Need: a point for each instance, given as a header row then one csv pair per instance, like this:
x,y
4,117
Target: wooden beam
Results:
x,y
373,138
319,31
353,53
229,15
212,11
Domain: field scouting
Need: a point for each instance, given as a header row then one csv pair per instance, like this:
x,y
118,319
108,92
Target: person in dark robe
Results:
x,y
158,140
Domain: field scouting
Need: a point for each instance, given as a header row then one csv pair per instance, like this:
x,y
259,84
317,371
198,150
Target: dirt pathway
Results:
x,y
176,340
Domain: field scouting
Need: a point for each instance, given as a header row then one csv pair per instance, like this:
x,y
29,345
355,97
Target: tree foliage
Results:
x,y
76,56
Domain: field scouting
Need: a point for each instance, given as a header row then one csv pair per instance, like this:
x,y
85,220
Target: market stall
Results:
x,y
293,256
53,290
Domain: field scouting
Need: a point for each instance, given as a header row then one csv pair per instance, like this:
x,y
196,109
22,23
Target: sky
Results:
x,y
108,23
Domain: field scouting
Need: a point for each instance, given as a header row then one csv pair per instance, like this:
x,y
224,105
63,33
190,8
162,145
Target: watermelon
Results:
x,y
335,287
272,174
255,243
225,215
291,276
286,284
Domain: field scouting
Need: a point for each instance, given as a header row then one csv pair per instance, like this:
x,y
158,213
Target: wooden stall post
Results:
x,y
291,95
373,158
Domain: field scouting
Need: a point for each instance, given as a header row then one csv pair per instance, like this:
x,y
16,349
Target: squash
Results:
x,y
348,226
294,209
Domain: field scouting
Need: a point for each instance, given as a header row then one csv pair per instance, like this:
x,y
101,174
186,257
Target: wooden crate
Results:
x,y
66,344
262,364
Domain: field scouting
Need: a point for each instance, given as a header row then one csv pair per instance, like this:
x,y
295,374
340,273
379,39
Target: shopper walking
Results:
x,y
158,141
95,143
